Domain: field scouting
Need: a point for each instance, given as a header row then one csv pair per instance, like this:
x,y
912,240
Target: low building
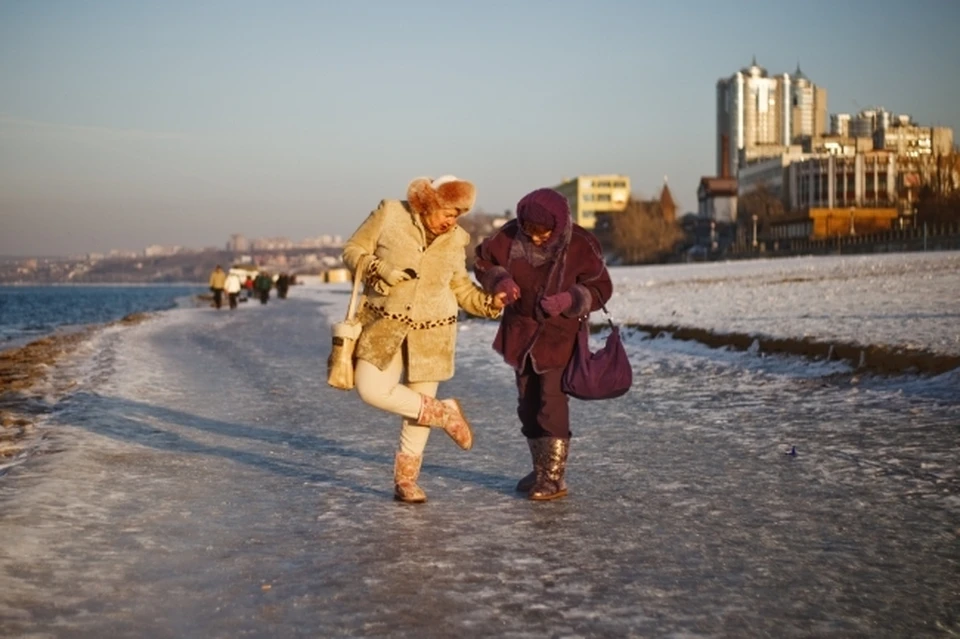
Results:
x,y
838,145
592,194
337,275
828,181
820,223
155,250
769,173
910,140
717,199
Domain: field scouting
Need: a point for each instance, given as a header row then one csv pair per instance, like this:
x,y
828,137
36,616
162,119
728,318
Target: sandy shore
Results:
x,y
23,369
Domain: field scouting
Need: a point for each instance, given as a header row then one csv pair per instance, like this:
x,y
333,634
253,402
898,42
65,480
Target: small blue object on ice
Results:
x,y
793,451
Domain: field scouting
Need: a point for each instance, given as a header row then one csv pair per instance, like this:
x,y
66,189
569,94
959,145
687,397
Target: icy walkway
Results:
x,y
202,481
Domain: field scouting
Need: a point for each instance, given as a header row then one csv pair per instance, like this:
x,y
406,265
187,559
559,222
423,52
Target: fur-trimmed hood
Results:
x,y
428,194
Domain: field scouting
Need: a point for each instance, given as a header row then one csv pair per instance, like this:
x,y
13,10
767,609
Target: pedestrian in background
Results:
x,y
262,285
412,256
283,284
217,279
232,286
552,273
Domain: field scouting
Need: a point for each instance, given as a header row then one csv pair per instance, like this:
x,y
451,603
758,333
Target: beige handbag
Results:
x,y
341,362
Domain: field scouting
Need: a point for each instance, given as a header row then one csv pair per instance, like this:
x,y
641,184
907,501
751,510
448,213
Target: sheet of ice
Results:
x,y
201,480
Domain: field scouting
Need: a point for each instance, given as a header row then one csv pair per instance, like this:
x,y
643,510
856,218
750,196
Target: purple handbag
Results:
x,y
602,375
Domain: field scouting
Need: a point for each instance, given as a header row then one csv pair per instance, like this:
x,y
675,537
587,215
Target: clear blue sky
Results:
x,y
124,124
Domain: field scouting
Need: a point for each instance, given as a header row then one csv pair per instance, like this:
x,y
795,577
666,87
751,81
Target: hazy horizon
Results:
x,y
129,124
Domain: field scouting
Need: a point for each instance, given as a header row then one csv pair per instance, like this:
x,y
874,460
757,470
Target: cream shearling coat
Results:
x,y
422,311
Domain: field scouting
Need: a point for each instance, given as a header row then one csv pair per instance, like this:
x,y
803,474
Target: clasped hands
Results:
x,y
507,292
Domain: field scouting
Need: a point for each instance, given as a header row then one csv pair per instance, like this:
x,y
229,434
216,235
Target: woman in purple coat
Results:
x,y
553,274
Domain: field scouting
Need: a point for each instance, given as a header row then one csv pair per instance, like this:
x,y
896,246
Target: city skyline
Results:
x,y
127,125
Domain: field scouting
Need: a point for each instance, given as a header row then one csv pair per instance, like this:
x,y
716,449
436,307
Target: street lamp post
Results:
x,y
852,213
754,217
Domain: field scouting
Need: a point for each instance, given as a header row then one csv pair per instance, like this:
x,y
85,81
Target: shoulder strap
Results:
x,y
352,307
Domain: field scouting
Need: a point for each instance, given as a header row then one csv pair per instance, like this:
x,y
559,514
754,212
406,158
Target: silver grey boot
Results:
x,y
550,465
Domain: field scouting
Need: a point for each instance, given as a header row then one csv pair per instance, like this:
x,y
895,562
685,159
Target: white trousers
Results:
x,y
382,389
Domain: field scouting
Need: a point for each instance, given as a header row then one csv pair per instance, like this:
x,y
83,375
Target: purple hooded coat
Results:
x,y
570,261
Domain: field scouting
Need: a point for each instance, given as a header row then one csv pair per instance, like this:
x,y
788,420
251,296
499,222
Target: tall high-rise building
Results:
x,y
758,115
869,121
238,243
808,109
840,125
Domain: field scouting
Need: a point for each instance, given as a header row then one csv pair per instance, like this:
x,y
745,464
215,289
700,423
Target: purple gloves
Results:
x,y
555,304
508,286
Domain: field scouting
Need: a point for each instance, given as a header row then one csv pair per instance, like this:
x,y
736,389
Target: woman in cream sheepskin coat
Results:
x,y
412,255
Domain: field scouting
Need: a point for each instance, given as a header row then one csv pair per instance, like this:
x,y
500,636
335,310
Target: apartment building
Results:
x,y
592,194
759,115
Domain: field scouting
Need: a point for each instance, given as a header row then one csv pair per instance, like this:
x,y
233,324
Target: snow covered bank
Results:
x,y
907,302
897,313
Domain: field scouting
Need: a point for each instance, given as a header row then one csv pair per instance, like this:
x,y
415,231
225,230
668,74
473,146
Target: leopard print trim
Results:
x,y
492,312
415,325
372,274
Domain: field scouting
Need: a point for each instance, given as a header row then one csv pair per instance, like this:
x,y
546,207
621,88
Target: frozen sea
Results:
x,y
197,478
31,312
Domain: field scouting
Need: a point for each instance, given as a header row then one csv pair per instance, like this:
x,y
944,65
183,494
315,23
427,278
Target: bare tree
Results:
x,y
641,233
761,202
939,196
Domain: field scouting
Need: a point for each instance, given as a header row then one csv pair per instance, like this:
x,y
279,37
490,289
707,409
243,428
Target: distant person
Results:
x,y
217,280
412,257
283,285
232,288
248,286
262,285
552,272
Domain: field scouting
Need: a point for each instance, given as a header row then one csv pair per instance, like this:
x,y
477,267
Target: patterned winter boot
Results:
x,y
448,415
525,484
550,464
406,469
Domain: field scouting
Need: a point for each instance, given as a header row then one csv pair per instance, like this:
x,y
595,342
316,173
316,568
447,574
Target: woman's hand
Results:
x,y
555,304
395,276
499,301
390,274
508,289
